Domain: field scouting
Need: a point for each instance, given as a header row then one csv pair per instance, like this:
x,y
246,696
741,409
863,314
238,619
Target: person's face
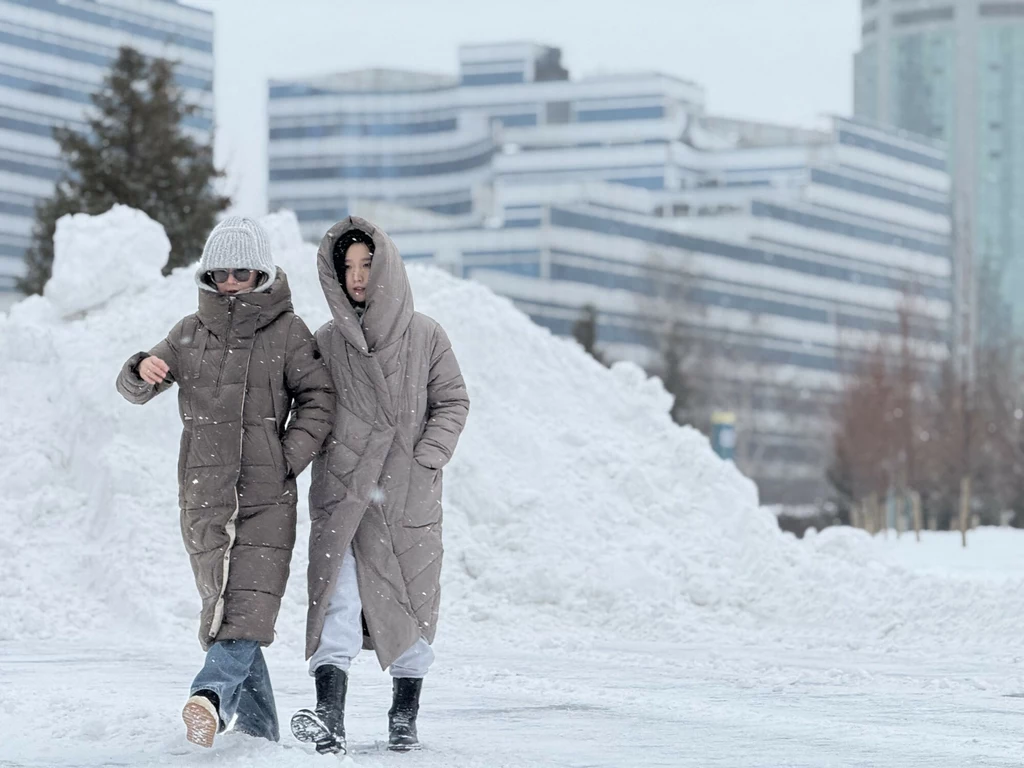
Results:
x,y
232,285
357,271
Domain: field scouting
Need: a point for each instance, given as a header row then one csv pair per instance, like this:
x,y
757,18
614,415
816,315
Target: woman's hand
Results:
x,y
153,370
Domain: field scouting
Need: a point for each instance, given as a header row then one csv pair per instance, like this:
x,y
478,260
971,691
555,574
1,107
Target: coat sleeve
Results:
x,y
447,406
131,385
309,385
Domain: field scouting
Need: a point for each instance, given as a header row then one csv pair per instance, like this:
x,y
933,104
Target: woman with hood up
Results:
x,y
375,499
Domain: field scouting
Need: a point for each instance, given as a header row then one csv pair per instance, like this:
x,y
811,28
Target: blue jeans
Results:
x,y
236,672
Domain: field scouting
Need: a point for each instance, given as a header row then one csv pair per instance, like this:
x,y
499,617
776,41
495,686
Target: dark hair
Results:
x,y
341,246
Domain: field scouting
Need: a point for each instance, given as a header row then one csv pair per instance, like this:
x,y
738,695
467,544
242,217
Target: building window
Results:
x,y
384,168
820,176
17,209
1002,9
645,182
847,229
355,128
202,83
452,209
321,214
622,113
494,78
38,129
48,172
514,121
143,26
892,150
810,265
922,17
523,269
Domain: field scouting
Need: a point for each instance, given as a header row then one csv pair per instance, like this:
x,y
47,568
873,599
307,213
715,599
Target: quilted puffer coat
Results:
x,y
401,406
243,364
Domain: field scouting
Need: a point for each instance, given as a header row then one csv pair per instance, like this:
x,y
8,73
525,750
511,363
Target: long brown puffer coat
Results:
x,y
242,365
402,405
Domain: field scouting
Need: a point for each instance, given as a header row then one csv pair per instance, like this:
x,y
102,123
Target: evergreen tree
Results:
x,y
136,152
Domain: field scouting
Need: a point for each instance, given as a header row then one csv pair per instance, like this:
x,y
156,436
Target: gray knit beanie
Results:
x,y
237,242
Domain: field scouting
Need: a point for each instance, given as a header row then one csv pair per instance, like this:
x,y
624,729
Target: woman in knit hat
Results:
x,y
375,497
243,362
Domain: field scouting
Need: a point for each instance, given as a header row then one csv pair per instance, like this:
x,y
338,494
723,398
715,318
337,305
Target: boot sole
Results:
x,y
200,724
414,747
306,726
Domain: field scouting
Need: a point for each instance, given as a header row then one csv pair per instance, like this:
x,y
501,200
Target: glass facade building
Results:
x,y
953,70
53,56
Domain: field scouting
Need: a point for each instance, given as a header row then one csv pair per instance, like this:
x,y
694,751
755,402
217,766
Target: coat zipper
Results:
x,y
230,527
224,354
218,611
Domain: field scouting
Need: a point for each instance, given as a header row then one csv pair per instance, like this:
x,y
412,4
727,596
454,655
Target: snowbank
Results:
x,y
573,502
90,266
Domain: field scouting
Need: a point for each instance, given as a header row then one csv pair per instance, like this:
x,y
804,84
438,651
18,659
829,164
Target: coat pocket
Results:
x,y
325,490
275,447
423,504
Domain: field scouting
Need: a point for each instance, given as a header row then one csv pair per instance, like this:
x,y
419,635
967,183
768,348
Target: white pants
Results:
x,y
342,636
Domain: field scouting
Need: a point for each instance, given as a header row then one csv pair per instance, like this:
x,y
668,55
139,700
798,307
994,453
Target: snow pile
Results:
x,y
90,267
573,501
284,235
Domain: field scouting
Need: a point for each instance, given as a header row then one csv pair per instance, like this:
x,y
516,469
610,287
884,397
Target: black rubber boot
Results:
x,y
325,725
405,706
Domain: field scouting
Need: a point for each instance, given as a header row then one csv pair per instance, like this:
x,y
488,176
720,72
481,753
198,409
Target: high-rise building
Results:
x,y
953,70
53,56
772,255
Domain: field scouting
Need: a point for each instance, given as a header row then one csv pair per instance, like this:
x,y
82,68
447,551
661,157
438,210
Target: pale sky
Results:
x,y
787,61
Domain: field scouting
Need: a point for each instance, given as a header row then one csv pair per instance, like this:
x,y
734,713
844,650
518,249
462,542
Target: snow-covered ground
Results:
x,y
621,703
613,593
992,553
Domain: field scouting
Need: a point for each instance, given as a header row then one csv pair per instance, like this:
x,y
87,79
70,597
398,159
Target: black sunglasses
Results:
x,y
221,275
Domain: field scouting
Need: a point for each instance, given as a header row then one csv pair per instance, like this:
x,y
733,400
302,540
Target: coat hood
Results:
x,y
389,304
